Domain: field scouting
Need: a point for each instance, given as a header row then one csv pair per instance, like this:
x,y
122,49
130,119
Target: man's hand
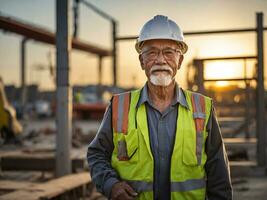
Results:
x,y
122,191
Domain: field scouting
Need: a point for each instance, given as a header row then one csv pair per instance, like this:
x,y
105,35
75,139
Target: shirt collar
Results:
x,y
179,96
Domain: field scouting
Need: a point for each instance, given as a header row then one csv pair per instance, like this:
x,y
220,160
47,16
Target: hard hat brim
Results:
x,y
139,44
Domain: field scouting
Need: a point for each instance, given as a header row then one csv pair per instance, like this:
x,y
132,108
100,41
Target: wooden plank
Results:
x,y
243,163
59,186
240,142
14,185
245,168
22,194
230,119
27,163
50,189
19,160
26,154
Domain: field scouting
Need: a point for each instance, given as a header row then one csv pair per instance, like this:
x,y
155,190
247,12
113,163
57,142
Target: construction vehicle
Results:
x,y
10,127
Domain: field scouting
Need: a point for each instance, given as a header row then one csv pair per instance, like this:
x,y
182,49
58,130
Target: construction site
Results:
x,y
45,133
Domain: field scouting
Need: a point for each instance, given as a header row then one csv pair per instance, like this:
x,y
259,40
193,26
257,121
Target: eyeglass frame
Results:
x,y
161,50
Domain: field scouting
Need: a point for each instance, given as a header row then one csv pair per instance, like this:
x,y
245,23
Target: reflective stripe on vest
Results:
x,y
120,114
120,110
140,186
188,185
199,115
193,184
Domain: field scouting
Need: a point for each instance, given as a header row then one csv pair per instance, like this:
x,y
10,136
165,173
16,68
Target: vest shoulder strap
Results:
x,y
199,110
120,111
199,115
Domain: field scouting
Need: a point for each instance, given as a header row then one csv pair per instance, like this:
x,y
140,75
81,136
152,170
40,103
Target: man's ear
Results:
x,y
180,61
141,61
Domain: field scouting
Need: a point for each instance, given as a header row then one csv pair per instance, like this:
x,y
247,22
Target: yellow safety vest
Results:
x,y
132,157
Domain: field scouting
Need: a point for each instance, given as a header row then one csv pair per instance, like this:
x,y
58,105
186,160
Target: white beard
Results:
x,y
161,79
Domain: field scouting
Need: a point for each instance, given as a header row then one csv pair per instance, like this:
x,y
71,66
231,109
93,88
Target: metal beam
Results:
x,y
230,79
98,11
244,30
127,38
228,58
42,35
64,90
260,111
192,33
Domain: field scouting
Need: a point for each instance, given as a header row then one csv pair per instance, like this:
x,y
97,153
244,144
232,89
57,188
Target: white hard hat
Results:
x,y
160,27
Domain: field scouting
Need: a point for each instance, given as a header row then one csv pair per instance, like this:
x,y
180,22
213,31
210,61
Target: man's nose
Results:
x,y
160,58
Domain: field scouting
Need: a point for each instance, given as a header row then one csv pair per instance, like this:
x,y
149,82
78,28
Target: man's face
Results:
x,y
160,59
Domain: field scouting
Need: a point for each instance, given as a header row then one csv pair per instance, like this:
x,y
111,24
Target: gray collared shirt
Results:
x,y
162,129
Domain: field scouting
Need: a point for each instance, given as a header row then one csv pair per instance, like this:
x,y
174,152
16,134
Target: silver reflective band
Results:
x,y
200,115
141,186
197,103
188,185
193,184
199,147
120,113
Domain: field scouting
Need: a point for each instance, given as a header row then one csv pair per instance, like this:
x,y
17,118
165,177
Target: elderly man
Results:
x,y
160,142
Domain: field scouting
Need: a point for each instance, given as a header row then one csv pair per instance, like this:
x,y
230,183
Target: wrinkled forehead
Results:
x,y
160,43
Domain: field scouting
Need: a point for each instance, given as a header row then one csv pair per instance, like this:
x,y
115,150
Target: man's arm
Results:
x,y
217,167
99,156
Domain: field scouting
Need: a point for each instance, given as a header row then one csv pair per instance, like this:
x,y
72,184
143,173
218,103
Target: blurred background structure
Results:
x,y
61,61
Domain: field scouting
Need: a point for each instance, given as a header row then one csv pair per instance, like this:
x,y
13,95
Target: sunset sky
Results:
x,y
190,15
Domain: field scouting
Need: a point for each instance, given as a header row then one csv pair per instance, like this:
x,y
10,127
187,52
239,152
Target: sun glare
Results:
x,y
221,83
223,69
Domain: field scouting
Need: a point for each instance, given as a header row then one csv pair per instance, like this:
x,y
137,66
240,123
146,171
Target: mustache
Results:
x,y
160,67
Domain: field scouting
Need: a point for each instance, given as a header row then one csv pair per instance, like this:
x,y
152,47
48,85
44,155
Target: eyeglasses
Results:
x,y
168,53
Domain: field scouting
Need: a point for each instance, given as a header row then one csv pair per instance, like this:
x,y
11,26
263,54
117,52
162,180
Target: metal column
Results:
x,y
23,75
64,90
114,51
76,17
247,102
114,36
100,87
100,70
200,75
261,134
